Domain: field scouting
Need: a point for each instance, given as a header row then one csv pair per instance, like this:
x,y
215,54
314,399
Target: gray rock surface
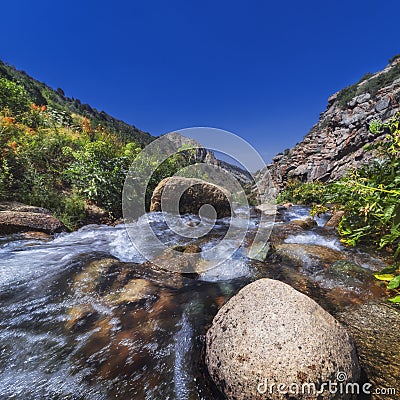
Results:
x,y
270,333
335,144
16,206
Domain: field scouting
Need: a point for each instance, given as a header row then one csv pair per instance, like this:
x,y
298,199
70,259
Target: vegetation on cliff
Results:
x,y
370,83
56,100
370,197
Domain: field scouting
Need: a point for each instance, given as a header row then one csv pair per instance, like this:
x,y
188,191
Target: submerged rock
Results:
x,y
81,317
36,235
96,276
282,231
346,270
270,333
134,291
194,194
308,255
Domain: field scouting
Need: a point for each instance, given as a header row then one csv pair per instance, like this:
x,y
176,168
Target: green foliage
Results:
x,y
346,94
365,77
302,193
41,94
370,197
318,209
13,97
372,85
59,153
98,173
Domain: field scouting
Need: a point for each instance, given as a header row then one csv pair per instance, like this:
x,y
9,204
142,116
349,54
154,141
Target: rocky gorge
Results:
x,y
149,308
335,144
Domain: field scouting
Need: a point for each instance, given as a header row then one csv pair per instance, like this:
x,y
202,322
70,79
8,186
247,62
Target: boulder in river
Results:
x,y
281,231
307,255
189,195
336,217
305,223
23,221
271,334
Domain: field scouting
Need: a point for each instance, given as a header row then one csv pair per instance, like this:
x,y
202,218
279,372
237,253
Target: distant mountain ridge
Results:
x,y
336,143
42,94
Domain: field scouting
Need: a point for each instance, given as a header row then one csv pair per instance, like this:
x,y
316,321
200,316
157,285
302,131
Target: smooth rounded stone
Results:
x,y
22,221
269,333
95,275
267,209
196,193
375,327
134,291
334,220
81,317
307,255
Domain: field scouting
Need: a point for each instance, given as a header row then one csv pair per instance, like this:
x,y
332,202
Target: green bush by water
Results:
x,y
370,197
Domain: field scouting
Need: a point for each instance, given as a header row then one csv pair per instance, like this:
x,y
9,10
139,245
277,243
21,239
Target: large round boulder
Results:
x,y
190,195
269,334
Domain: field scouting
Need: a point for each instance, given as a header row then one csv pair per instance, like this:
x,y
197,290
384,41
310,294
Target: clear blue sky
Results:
x,y
260,69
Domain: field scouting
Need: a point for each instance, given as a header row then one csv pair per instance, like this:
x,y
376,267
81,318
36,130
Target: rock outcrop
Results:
x,y
335,144
206,156
189,195
17,217
270,334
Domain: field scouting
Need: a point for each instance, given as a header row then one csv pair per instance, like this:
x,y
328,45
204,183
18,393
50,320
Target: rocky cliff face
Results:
x,y
335,144
203,155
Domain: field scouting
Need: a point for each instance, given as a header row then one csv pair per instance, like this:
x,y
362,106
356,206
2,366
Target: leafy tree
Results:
x,y
13,97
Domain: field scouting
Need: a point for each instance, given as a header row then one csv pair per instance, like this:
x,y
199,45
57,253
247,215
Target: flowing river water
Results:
x,y
153,348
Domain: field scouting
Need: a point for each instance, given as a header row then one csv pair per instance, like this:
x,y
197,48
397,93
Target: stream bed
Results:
x,y
68,332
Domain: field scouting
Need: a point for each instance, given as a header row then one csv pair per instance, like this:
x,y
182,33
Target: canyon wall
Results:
x,y
335,144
